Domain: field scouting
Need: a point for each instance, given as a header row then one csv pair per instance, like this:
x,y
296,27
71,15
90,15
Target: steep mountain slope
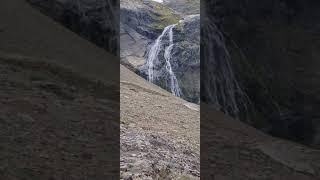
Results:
x,y
274,49
53,123
42,76
57,99
27,34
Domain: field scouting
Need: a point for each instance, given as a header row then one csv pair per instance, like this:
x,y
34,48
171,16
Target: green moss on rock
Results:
x,y
163,16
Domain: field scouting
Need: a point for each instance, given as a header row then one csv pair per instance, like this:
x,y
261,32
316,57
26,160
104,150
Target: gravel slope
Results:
x,y
55,124
160,133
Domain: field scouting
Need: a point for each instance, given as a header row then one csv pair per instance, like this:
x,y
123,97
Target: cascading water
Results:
x,y
153,57
219,86
175,89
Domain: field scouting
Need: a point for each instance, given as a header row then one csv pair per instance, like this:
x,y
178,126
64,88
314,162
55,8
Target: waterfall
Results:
x,y
174,86
152,57
219,86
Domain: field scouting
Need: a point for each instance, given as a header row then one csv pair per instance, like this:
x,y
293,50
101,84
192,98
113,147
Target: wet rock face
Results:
x,y
95,20
220,87
274,52
142,22
140,25
186,57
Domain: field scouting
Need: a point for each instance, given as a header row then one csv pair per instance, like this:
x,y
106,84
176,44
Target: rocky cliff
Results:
x,y
142,23
274,48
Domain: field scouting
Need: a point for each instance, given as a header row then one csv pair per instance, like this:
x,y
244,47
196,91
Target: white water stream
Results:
x,y
219,84
153,57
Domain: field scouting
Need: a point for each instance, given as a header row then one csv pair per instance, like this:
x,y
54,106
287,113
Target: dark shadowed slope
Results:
x,y
56,121
55,124
232,150
26,32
